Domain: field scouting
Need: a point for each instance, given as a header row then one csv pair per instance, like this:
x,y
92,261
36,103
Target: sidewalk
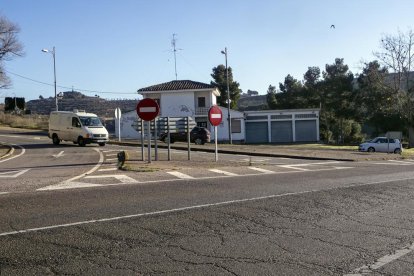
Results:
x,y
300,151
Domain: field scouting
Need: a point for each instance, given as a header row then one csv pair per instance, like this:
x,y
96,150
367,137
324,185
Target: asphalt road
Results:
x,y
66,210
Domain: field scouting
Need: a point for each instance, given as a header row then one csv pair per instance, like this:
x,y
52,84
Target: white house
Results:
x,y
185,98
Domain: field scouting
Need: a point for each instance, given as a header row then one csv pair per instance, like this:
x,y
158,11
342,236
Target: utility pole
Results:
x,y
228,97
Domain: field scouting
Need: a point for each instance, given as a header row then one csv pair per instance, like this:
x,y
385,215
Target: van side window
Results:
x,y
75,122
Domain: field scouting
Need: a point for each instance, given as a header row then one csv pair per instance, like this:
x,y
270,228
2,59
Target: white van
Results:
x,y
78,126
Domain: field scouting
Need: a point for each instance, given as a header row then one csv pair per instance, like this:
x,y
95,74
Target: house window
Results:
x,y
201,102
202,124
235,126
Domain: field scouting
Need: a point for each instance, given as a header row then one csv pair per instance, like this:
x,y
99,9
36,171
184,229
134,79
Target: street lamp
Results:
x,y
228,96
53,52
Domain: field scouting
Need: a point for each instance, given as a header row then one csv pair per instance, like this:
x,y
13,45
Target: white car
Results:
x,y
381,144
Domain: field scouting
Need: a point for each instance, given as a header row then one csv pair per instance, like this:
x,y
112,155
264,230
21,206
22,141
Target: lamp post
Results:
x,y
53,52
228,96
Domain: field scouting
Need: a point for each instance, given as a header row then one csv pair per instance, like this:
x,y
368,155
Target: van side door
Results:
x,y
74,129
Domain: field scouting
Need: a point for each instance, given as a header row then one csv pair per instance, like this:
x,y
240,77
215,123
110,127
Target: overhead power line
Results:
x,y
70,88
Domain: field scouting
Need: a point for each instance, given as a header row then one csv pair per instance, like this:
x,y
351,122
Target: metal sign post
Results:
x,y
188,138
147,110
149,141
169,138
155,140
215,116
118,117
142,139
215,142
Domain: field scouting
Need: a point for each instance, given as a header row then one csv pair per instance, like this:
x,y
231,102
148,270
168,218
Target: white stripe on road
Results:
x,y
180,175
112,154
67,183
111,159
402,162
121,177
261,170
4,193
59,154
107,170
20,154
367,269
293,167
195,207
223,172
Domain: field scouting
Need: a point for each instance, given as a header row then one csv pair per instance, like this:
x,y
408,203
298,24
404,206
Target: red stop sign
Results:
x,y
215,115
147,109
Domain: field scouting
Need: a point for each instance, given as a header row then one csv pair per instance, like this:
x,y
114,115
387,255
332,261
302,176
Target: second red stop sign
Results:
x,y
215,116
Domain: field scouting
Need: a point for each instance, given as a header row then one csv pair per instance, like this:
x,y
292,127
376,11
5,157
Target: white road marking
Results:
x,y
120,177
59,154
111,159
37,138
107,170
111,154
402,162
20,154
293,167
196,207
342,168
4,193
367,269
68,182
180,175
13,174
69,185
223,172
261,170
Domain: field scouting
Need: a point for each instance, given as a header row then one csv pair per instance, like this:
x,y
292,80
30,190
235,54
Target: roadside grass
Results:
x,y
327,146
24,121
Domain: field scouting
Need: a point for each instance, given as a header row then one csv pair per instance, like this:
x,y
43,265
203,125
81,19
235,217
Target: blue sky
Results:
x,y
121,46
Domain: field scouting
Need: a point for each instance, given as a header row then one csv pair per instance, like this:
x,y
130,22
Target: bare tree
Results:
x,y
397,56
9,47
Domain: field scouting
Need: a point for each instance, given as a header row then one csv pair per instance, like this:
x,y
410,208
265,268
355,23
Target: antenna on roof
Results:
x,y
173,44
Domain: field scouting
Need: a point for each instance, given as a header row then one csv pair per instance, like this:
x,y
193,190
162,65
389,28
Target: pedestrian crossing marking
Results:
x,y
108,169
121,177
261,170
223,172
180,175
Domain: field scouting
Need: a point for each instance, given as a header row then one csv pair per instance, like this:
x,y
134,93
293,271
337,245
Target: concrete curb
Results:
x,y
237,152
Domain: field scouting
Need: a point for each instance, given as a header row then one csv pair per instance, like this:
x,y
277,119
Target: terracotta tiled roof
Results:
x,y
177,85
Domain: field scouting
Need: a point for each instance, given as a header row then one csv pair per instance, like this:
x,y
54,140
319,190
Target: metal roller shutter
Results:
x,y
305,131
282,132
256,132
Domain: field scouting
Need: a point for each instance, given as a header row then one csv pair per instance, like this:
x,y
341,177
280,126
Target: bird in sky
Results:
x,y
332,26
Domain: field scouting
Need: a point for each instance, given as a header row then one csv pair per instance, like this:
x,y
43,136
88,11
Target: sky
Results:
x,y
112,48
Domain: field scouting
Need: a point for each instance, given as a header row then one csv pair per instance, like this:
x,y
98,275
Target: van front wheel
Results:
x,y
101,144
81,142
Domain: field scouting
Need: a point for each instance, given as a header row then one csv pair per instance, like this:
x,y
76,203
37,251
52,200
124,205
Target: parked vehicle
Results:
x,y
382,144
78,127
198,135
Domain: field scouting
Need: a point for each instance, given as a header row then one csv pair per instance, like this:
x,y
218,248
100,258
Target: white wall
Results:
x,y
223,128
177,104
127,130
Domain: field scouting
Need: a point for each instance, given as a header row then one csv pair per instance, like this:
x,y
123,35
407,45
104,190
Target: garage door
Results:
x,y
305,131
256,132
282,132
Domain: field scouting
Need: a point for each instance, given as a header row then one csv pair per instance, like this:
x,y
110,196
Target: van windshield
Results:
x,y
90,121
